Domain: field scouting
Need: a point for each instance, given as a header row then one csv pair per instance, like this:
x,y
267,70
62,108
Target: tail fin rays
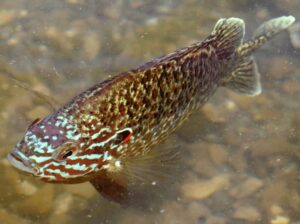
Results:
x,y
273,26
264,33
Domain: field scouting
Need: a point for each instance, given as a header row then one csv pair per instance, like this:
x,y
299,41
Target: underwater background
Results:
x,y
240,156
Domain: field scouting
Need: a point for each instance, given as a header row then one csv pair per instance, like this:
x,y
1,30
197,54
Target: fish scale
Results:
x,y
107,133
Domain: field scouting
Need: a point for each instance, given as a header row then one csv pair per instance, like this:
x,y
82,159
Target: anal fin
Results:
x,y
244,79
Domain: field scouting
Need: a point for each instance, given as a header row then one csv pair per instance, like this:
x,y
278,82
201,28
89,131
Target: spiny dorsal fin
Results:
x,y
228,35
245,78
265,32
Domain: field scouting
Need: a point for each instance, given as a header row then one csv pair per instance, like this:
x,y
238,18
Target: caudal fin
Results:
x,y
264,33
245,77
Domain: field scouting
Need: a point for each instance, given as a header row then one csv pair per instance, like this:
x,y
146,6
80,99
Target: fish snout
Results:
x,y
21,162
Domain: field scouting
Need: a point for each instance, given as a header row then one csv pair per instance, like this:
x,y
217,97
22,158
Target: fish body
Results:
x,y
95,135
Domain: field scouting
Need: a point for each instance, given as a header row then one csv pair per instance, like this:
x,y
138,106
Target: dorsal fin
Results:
x,y
227,36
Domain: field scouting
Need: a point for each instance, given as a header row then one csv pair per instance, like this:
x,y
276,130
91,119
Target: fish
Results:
x,y
109,134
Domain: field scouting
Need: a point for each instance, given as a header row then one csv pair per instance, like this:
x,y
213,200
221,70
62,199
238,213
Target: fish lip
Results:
x,y
19,161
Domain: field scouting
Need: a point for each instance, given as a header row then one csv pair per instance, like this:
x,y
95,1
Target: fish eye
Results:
x,y
66,154
65,151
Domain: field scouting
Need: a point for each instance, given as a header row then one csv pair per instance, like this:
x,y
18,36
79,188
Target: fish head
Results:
x,y
49,150
55,150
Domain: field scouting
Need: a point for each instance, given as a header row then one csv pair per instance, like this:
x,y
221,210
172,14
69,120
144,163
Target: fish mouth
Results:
x,y
18,160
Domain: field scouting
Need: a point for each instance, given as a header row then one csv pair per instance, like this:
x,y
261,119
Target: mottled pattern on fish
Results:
x,y
92,136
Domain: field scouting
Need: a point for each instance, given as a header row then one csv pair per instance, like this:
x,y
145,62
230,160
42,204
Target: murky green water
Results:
x,y
240,155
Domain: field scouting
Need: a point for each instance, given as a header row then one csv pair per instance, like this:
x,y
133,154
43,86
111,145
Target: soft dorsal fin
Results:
x,y
227,36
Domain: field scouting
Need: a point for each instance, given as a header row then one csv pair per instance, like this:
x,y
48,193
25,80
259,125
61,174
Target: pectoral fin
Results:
x,y
124,181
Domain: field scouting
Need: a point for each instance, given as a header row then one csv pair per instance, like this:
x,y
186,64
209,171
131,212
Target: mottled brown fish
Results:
x,y
109,130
